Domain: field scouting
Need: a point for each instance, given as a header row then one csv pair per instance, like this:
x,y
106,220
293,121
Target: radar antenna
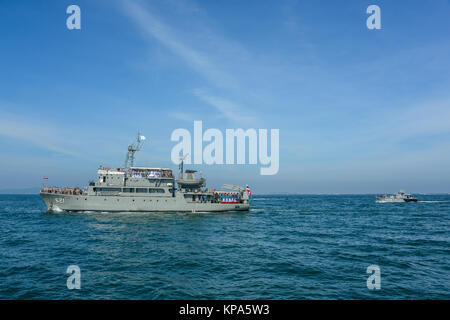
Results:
x,y
132,148
180,167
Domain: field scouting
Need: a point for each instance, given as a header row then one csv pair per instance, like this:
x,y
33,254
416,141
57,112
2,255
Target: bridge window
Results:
x,y
141,190
128,190
156,190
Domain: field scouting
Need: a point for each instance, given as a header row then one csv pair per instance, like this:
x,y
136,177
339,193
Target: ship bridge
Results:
x,y
146,172
110,176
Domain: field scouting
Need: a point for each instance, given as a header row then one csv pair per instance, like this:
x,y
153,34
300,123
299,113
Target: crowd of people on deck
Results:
x,y
218,197
69,191
144,173
151,174
227,197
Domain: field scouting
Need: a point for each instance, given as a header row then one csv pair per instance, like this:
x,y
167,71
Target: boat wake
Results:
x,y
434,201
55,209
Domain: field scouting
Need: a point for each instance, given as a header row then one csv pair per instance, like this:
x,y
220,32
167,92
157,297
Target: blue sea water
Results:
x,y
286,247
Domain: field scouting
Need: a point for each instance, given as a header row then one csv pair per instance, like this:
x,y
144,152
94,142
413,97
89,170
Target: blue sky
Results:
x,y
359,110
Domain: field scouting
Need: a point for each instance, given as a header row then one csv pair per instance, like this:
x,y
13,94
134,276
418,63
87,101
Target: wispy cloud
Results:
x,y
208,54
425,118
18,128
226,108
151,25
183,116
42,134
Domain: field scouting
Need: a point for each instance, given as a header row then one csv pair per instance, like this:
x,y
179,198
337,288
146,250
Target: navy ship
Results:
x,y
401,196
146,189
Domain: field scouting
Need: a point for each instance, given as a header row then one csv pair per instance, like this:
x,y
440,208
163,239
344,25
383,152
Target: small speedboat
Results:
x,y
401,196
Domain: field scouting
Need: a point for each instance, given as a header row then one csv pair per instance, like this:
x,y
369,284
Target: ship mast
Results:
x,y
180,167
132,148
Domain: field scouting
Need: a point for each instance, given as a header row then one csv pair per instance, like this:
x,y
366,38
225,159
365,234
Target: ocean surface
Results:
x,y
286,247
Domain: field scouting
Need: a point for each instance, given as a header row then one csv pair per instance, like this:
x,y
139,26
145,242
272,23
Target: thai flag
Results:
x,y
248,190
45,178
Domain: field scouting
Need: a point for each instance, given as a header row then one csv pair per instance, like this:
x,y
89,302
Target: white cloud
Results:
x,y
203,51
154,27
392,125
42,133
183,116
39,134
226,108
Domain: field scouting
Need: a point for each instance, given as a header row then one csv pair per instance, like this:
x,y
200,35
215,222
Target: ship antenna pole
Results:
x,y
180,168
132,149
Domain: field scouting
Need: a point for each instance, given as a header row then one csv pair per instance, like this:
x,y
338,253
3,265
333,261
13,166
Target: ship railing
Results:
x,y
64,190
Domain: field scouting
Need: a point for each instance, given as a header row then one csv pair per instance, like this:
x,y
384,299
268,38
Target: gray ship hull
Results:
x,y
97,203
